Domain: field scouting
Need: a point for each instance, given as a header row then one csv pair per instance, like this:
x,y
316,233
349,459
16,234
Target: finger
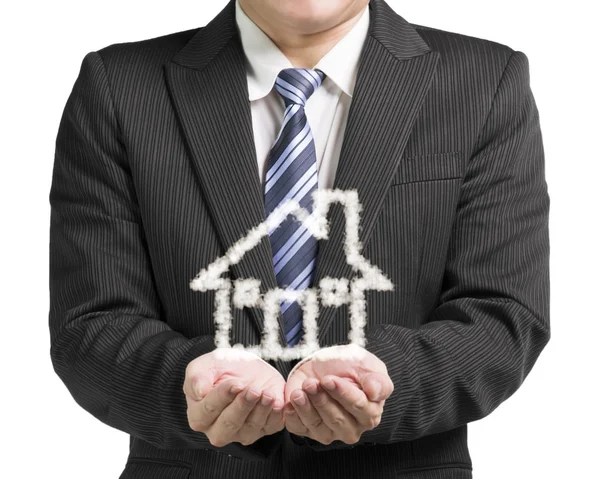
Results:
x,y
253,427
344,425
197,386
377,386
258,416
294,382
275,421
232,418
310,417
293,423
202,414
354,401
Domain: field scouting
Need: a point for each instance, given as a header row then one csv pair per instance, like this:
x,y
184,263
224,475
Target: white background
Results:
x,y
547,429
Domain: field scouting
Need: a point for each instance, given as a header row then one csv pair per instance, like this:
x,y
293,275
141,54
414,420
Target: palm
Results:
x,y
344,369
348,362
260,375
254,371
233,396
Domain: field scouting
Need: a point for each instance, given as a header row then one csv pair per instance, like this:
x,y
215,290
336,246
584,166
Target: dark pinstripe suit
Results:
x,y
155,176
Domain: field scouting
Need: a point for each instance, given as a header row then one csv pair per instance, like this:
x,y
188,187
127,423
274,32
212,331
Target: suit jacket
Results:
x,y
155,176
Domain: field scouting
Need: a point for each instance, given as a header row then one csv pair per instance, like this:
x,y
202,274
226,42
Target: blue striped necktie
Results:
x,y
292,173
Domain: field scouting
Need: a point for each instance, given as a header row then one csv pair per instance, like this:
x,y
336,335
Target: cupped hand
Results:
x,y
336,394
233,396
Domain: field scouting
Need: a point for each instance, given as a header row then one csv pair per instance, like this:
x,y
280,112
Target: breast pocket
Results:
x,y
411,237
431,167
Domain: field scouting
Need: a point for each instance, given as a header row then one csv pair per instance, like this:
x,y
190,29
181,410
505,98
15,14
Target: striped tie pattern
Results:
x,y
292,173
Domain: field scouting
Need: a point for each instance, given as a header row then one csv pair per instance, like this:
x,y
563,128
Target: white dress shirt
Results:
x,y
326,109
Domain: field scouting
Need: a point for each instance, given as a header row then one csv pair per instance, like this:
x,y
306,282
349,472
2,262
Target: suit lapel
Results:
x,y
208,86
394,74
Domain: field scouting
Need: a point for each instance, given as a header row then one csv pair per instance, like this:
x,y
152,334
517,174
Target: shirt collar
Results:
x,y
266,60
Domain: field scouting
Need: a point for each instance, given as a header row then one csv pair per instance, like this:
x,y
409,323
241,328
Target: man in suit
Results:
x,y
171,149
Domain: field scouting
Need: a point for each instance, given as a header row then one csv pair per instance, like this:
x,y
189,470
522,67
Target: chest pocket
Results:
x,y
431,167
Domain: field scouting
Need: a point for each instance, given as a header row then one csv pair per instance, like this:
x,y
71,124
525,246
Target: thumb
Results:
x,y
201,384
376,386
201,387
294,382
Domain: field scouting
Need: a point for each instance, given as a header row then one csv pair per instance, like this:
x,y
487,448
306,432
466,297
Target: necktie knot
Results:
x,y
296,85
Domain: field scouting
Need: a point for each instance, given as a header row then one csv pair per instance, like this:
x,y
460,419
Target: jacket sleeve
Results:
x,y
109,343
492,320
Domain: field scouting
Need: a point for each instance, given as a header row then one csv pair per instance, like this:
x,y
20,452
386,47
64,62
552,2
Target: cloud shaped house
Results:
x,y
331,291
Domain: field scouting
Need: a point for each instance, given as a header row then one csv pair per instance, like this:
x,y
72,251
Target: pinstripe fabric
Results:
x,y
140,469
444,147
292,174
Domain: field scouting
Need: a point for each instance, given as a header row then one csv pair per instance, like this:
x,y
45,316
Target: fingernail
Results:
x,y
376,391
329,384
266,400
289,410
252,395
312,388
300,400
236,388
199,389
